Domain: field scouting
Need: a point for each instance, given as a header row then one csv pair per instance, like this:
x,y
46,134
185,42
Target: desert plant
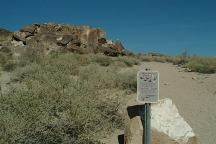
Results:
x,y
127,81
10,65
181,59
52,105
128,61
103,60
3,59
202,64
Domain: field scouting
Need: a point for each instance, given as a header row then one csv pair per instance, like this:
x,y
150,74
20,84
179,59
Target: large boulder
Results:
x,y
20,36
167,126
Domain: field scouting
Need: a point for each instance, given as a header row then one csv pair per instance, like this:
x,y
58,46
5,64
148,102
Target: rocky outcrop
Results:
x,y
167,126
64,38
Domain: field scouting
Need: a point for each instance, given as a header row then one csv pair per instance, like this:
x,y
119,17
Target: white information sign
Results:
x,y
147,86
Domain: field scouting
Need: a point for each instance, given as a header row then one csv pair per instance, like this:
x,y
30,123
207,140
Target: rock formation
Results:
x,y
64,38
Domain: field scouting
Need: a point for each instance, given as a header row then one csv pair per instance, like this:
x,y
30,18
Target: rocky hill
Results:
x,y
62,38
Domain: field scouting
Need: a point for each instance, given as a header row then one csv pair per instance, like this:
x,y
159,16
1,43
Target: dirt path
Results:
x,y
194,95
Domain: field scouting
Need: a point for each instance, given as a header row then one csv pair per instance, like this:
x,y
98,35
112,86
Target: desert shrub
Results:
x,y
52,105
10,65
38,113
3,59
182,59
150,58
103,60
108,78
30,55
6,62
146,58
202,65
161,59
128,61
127,81
118,64
99,77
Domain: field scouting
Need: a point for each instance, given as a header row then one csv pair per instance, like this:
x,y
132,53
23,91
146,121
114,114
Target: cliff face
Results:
x,y
64,38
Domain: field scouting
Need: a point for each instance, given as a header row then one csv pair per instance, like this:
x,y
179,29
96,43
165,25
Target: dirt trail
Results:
x,y
194,95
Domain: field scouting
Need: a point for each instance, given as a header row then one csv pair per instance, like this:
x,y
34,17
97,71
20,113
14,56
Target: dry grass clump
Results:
x,y
6,62
180,60
156,58
202,64
127,61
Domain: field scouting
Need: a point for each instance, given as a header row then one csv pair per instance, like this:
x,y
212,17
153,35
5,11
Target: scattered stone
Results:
x,y
65,40
17,43
194,78
165,83
187,70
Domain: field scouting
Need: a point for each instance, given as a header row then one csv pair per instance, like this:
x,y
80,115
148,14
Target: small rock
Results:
x,y
165,83
187,70
17,43
194,78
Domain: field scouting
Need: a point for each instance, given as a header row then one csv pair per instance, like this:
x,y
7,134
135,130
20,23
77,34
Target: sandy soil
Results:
x,y
194,95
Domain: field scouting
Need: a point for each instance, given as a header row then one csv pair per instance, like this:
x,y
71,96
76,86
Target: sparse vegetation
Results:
x,y
128,61
61,98
195,64
202,65
71,98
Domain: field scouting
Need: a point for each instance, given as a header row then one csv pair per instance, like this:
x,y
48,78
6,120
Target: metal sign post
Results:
x,y
147,93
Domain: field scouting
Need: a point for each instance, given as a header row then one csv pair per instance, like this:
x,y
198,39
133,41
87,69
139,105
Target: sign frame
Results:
x,y
138,86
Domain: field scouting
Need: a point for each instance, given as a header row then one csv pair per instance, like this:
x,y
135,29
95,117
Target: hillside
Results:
x,y
69,84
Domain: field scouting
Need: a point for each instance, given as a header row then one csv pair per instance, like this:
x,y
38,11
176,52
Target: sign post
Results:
x,y
147,93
